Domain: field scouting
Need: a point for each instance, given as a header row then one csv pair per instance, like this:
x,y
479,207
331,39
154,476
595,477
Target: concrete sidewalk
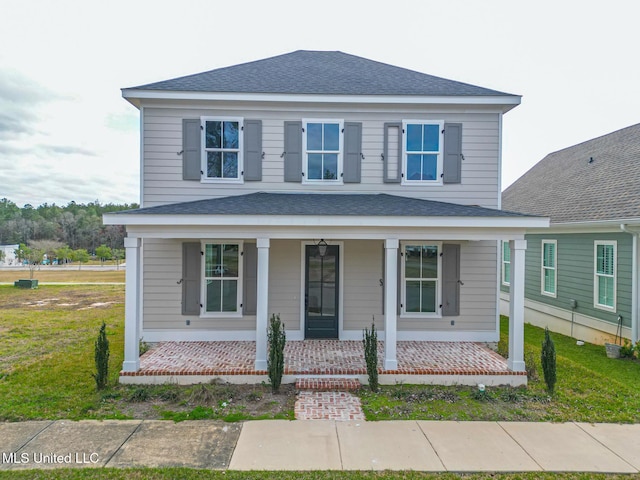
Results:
x,y
323,445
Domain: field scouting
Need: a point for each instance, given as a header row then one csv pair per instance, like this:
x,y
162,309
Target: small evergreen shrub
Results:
x,y
548,360
275,361
143,347
627,350
370,341
102,358
530,365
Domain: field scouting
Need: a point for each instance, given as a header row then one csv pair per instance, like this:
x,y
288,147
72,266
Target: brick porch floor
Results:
x,y
325,358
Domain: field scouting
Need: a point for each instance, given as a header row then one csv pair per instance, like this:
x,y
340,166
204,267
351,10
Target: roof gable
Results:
x,y
319,72
596,180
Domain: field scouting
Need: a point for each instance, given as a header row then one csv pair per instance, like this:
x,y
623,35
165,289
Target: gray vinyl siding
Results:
x,y
362,290
162,165
575,273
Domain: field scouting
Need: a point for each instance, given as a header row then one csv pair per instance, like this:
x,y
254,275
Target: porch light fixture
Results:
x,y
322,247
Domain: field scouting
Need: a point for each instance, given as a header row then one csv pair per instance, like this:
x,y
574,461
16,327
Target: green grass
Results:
x,y
590,388
194,474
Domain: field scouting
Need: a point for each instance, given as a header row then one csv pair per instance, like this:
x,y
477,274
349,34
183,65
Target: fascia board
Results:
x,y
593,226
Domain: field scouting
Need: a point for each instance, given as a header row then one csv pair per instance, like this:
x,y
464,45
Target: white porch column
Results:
x,y
262,303
516,306
391,303
131,306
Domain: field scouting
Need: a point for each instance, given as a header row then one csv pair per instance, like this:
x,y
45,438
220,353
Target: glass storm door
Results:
x,y
321,292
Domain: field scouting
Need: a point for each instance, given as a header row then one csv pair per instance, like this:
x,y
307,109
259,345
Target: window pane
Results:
x,y
331,136
230,261
605,291
414,167
314,136
214,164
213,261
414,138
413,296
213,134
429,167
229,295
230,135
549,281
428,297
605,259
214,300
314,170
549,257
330,166
507,273
506,252
230,165
431,142
412,261
429,261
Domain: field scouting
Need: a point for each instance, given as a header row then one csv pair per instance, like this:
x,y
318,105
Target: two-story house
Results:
x,y
327,188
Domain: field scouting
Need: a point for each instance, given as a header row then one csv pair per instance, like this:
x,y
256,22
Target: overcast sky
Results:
x,y
66,133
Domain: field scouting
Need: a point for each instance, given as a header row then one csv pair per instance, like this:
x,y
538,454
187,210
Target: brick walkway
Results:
x,y
341,406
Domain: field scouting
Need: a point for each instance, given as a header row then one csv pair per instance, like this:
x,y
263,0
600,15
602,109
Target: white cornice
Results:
x,y
593,226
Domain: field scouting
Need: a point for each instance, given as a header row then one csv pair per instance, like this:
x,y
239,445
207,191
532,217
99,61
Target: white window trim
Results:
x,y
440,162
305,160
597,305
203,158
203,289
403,283
553,294
503,262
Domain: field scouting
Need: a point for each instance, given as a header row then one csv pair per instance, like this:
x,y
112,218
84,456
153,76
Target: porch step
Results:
x,y
328,384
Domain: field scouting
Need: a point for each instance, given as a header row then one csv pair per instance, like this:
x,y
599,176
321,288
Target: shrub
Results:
x,y
627,350
548,360
370,341
530,365
275,362
102,358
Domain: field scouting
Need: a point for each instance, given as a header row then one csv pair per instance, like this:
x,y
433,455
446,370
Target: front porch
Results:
x,y
419,362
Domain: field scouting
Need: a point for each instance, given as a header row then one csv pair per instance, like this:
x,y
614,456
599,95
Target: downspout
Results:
x,y
634,282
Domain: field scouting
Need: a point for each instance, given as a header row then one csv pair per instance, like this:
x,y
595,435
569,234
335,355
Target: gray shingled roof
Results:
x,y
592,181
318,72
320,204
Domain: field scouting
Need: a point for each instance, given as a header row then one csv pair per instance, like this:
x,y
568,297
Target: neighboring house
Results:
x,y
9,258
582,273
324,187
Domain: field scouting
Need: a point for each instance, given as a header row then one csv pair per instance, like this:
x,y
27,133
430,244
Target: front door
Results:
x,y
321,292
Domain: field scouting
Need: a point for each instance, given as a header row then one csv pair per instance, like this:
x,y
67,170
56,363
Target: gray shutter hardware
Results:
x,y
191,149
452,153
253,153
180,152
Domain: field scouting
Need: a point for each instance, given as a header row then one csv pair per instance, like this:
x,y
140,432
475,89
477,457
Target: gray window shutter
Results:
x,y
191,259
400,298
352,152
250,279
191,148
452,153
450,280
293,152
392,156
253,150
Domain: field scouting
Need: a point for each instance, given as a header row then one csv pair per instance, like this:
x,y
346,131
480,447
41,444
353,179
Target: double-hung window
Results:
x,y
322,147
222,278
422,151
604,285
548,278
506,264
421,271
222,149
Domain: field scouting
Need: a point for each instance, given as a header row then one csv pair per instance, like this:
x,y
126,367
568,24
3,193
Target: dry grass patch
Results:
x,y
51,274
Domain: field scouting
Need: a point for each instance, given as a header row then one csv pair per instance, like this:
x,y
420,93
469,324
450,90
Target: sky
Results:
x,y
66,133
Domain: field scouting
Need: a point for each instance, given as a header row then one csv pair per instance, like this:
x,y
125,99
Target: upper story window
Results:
x,y
421,273
322,150
422,151
506,264
222,149
549,277
604,284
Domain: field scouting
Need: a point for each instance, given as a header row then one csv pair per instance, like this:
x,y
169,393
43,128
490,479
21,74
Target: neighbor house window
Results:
x,y
604,288
222,149
421,274
222,286
549,278
422,151
506,263
322,145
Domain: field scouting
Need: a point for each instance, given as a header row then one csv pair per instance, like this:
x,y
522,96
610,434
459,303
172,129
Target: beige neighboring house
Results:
x,y
9,258
327,188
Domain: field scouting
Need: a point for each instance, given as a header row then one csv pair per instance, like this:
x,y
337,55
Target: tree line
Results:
x,y
58,231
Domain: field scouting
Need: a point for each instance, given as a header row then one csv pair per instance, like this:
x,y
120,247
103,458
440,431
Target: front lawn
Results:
x,y
590,388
